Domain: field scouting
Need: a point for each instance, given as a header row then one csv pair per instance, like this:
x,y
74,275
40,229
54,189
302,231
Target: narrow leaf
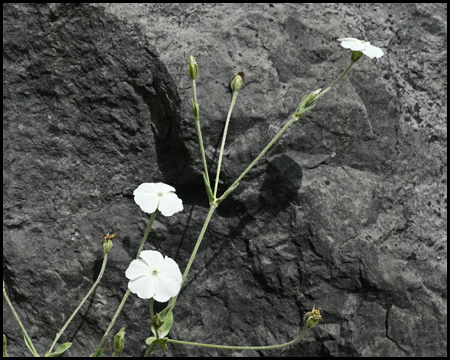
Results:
x,y
29,345
119,342
60,350
4,346
98,353
168,322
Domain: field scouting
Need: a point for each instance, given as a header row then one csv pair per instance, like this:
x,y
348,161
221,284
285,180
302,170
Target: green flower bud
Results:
x,y
119,342
356,55
107,243
193,68
195,110
312,318
157,322
307,104
237,80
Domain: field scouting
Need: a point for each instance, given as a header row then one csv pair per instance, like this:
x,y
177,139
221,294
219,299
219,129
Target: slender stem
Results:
x,y
125,297
233,186
33,350
144,238
199,131
337,80
152,314
199,241
194,252
233,100
268,347
105,258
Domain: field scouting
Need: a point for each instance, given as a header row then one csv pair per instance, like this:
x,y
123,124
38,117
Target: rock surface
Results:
x,y
347,212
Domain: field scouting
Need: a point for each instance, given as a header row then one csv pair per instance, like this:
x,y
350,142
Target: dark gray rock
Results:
x,y
347,212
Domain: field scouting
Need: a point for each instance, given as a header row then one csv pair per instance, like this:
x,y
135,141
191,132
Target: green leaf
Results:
x,y
163,342
59,350
98,353
168,322
150,340
29,345
153,342
4,345
119,342
167,317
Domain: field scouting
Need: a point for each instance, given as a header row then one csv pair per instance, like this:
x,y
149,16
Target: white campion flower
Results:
x,y
154,276
363,46
152,196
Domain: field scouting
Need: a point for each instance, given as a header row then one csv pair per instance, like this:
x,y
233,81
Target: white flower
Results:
x,y
152,196
154,276
363,46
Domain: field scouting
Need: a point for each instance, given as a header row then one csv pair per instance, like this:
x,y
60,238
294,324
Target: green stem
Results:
x,y
194,252
152,314
233,186
199,131
144,238
105,258
268,347
33,350
199,241
223,141
337,80
119,309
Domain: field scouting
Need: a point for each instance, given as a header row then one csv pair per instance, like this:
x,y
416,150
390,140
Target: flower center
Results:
x,y
160,194
155,272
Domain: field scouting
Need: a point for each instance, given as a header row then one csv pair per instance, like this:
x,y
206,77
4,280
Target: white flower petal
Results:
x,y
353,44
152,258
363,46
169,204
154,276
137,268
166,287
145,187
348,39
144,287
373,51
164,187
170,269
152,196
148,202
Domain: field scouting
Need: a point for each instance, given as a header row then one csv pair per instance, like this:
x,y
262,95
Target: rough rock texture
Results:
x,y
347,212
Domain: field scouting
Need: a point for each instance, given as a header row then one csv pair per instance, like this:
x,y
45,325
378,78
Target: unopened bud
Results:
x,y
195,110
107,243
157,322
312,318
307,103
356,55
193,68
237,80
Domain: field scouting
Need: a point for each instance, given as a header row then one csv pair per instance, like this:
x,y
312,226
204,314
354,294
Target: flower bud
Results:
x,y
193,68
312,318
237,80
107,243
307,103
157,322
356,55
195,110
119,342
